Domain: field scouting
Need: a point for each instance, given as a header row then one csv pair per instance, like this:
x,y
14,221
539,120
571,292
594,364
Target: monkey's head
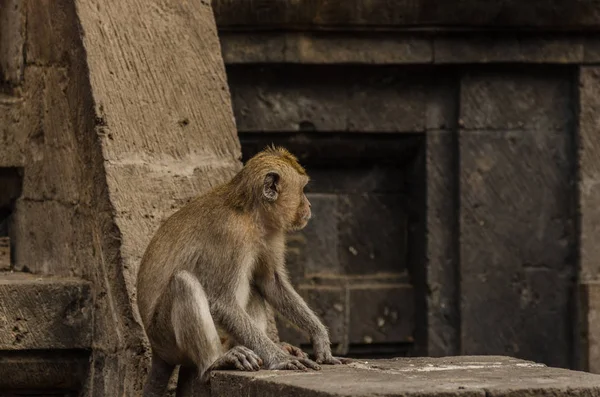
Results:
x,y
279,182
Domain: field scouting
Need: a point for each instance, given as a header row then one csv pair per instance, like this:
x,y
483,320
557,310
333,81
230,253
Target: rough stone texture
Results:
x,y
4,253
516,216
115,128
452,376
323,48
589,173
11,43
46,373
291,99
44,313
563,14
508,47
589,226
442,256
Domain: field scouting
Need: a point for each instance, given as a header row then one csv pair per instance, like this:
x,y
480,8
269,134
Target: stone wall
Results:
x,y
502,99
113,122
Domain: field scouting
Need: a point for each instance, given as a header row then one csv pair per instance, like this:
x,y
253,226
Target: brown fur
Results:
x,y
209,271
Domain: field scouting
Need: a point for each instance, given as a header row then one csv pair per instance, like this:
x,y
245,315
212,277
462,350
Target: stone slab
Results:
x,y
451,376
31,370
44,312
4,253
541,14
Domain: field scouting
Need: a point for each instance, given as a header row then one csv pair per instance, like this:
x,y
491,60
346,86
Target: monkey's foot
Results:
x,y
292,350
301,364
238,357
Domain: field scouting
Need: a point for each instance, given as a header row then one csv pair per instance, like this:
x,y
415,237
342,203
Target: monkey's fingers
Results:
x,y
310,363
293,350
333,360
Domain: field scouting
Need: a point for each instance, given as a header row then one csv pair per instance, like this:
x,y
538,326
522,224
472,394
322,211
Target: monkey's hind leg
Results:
x,y
158,378
197,338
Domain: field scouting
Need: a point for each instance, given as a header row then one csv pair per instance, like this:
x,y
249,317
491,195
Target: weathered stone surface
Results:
x,y
519,101
288,99
49,23
562,14
452,376
44,313
589,323
507,47
381,313
589,173
325,48
443,307
4,253
47,373
319,253
516,243
11,42
372,233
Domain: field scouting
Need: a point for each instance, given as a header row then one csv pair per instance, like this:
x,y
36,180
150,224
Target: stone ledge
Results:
x,y
465,376
44,312
407,48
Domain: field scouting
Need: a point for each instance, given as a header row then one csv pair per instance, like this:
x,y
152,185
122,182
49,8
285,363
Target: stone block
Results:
x,y
517,101
12,30
467,376
4,253
507,47
381,313
517,243
361,14
292,99
52,373
443,310
589,326
372,233
51,32
320,252
589,173
41,230
44,312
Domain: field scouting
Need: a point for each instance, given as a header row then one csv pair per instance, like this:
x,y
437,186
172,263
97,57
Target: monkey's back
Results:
x,y
192,239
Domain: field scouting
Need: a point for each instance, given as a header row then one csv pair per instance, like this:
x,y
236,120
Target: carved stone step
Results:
x,y
45,332
451,376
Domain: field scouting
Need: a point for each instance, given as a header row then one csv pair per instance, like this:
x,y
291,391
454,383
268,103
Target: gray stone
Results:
x,y
518,100
12,32
325,48
507,47
381,313
451,376
59,372
443,307
276,99
4,253
517,241
373,232
44,313
589,172
589,322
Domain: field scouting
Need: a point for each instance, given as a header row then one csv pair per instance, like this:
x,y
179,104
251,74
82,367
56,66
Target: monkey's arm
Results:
x,y
279,292
239,324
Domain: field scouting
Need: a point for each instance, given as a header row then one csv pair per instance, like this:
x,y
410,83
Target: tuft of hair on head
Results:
x,y
285,155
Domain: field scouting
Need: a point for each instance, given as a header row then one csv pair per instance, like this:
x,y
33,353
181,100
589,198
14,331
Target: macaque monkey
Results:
x,y
208,273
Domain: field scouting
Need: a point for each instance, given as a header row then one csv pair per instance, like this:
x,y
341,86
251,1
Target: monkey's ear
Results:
x,y
271,186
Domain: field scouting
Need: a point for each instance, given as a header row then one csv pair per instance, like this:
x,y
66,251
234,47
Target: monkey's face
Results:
x,y
303,213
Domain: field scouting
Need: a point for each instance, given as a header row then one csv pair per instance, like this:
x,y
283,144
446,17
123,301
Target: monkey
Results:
x,y
212,267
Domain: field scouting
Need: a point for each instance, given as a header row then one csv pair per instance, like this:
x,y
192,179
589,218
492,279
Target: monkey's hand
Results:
x,y
293,350
324,357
